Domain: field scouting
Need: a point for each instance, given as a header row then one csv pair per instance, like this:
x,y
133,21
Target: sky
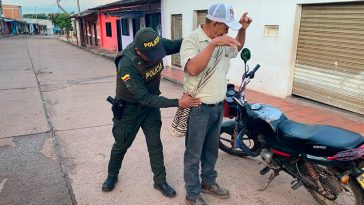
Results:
x,y
50,6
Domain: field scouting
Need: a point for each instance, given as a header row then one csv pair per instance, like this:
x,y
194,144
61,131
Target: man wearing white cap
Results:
x,y
206,48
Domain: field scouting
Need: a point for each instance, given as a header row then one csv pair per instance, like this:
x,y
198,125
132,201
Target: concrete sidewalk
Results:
x,y
297,109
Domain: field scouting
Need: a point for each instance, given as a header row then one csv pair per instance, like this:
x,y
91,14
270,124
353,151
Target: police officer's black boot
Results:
x,y
109,183
165,189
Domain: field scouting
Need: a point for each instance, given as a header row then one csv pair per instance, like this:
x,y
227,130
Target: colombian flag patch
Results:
x,y
125,78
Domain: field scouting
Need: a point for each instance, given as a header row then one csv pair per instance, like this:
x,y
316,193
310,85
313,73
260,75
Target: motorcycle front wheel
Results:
x,y
226,143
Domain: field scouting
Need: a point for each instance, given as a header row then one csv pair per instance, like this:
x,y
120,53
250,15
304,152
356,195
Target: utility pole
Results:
x,y
36,15
1,9
78,6
75,23
2,23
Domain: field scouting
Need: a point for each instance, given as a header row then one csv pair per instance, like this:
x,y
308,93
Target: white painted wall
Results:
x,y
276,55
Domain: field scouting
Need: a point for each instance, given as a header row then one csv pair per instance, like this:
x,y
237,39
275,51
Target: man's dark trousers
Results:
x,y
125,130
202,145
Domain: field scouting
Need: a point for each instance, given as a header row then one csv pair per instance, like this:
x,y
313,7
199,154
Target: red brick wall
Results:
x,y
13,12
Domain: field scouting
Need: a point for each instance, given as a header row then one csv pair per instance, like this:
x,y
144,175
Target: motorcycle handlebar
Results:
x,y
252,73
247,77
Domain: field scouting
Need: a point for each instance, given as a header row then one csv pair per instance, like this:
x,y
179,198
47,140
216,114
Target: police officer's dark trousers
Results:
x,y
125,130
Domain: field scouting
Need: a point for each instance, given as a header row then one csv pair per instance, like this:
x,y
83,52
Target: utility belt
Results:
x,y
118,107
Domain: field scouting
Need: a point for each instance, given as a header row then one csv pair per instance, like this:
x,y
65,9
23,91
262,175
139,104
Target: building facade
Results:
x,y
113,26
88,28
119,21
308,48
39,26
12,12
12,20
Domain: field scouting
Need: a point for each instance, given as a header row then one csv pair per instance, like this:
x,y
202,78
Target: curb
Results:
x,y
89,50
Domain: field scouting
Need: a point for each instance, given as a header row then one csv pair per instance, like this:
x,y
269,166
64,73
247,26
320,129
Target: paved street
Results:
x,y
55,136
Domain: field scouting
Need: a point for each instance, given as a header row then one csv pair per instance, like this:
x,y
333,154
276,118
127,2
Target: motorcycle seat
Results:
x,y
323,140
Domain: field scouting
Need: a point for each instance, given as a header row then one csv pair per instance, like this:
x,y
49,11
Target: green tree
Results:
x,y
62,20
36,16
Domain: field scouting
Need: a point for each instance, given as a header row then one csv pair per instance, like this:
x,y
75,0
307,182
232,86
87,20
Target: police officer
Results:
x,y
139,69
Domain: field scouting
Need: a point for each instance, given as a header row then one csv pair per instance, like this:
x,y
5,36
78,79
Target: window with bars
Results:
x,y
176,34
125,27
108,29
200,17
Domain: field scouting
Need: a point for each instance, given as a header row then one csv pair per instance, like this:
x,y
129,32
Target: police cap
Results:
x,y
148,41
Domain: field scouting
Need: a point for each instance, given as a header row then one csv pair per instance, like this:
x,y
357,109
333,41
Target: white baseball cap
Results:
x,y
223,13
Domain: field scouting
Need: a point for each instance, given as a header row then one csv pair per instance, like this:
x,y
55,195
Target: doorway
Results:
x,y
118,29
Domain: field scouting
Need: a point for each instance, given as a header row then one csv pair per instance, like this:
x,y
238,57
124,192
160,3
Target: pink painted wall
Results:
x,y
110,43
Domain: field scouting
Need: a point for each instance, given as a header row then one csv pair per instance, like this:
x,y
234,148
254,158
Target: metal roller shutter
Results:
x,y
330,55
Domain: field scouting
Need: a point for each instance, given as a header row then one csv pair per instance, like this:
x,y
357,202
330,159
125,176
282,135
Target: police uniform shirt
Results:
x,y
139,81
215,89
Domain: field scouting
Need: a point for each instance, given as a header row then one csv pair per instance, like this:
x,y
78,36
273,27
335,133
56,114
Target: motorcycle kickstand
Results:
x,y
270,179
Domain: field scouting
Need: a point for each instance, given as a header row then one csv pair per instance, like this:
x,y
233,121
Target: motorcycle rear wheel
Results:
x,y
226,143
350,194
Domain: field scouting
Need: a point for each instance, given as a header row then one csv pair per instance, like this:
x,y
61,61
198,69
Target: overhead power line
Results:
x,y
60,7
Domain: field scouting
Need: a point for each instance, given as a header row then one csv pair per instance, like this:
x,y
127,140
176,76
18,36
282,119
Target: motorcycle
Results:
x,y
326,160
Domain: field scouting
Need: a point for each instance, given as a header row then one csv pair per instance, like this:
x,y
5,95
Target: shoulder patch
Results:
x,y
125,78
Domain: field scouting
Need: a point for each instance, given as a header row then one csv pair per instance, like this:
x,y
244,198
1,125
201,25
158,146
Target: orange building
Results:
x,y
12,12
